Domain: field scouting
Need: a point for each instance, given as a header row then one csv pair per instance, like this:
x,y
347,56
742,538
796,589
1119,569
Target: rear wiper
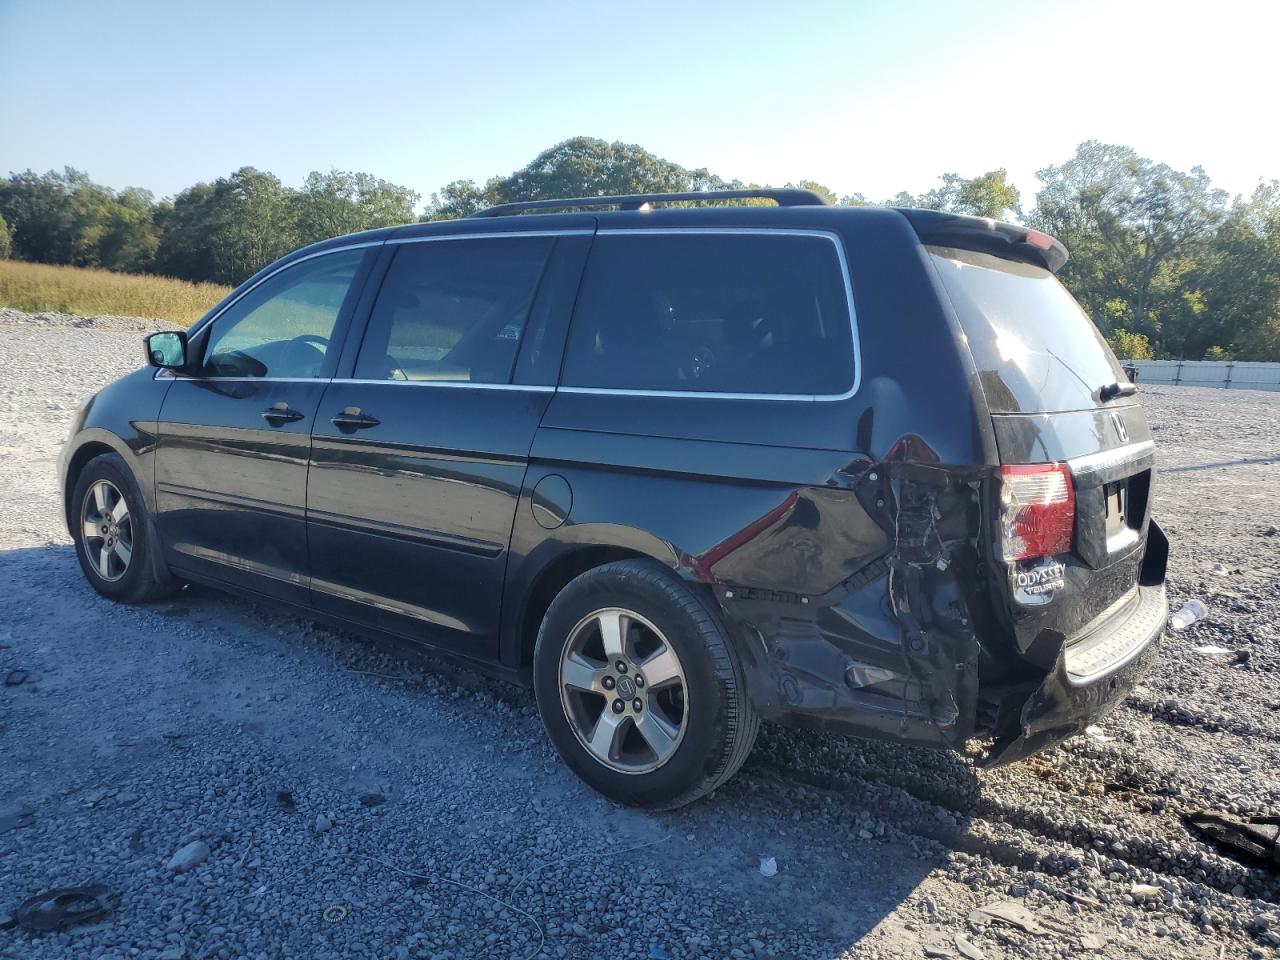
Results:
x,y
1112,390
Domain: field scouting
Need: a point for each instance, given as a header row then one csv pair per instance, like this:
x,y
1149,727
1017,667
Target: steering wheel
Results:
x,y
701,362
314,339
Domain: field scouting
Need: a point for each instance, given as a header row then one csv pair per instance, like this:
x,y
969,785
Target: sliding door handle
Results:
x,y
279,414
351,419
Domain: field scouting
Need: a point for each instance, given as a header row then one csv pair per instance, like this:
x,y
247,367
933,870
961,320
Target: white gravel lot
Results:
x,y
208,718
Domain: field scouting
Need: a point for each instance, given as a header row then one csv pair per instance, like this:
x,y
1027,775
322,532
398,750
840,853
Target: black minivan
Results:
x,y
683,466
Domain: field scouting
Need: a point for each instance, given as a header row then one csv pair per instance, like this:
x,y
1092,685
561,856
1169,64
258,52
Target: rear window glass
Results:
x,y
712,313
1036,350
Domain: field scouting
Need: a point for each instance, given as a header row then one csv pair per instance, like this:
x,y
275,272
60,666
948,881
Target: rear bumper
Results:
x,y
1089,678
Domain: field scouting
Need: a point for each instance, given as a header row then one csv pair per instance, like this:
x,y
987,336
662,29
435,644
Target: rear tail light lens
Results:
x,y
1037,510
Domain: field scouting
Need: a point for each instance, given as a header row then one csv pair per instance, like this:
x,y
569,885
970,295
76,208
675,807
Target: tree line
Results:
x,y
1165,263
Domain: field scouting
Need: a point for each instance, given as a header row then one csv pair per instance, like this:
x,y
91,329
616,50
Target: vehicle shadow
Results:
x,y
848,831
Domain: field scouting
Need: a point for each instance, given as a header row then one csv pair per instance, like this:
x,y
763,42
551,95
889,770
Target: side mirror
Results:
x,y
167,350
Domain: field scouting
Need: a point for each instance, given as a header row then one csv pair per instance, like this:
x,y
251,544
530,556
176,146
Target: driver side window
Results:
x,y
284,326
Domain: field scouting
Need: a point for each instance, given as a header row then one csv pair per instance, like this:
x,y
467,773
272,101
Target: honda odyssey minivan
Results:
x,y
683,468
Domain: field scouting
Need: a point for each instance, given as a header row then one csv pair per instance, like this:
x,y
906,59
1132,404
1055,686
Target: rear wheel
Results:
x,y
639,688
112,531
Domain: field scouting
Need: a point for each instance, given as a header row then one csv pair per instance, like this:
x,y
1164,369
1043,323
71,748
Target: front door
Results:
x,y
418,459
235,438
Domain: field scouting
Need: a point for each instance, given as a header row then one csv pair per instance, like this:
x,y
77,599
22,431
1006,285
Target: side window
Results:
x,y
283,326
712,313
453,310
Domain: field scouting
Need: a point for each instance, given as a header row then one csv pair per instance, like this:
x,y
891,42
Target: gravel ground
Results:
x,y
314,772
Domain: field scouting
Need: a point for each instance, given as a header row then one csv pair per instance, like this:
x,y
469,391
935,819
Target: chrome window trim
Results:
x,y
191,332
829,235
527,387
491,235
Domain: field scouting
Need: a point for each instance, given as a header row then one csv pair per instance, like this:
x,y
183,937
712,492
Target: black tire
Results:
x,y
144,577
720,723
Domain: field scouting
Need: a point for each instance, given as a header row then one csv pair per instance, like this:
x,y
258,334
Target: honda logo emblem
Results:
x,y
1118,422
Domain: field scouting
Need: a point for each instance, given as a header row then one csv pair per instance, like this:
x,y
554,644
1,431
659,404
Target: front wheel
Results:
x,y
112,532
639,687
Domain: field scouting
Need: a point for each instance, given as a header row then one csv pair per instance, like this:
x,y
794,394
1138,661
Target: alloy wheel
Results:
x,y
107,529
623,690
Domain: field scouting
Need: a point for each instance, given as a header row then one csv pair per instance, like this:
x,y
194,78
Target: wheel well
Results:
x,y
78,461
555,578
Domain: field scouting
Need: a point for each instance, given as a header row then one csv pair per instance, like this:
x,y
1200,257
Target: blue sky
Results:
x,y
867,97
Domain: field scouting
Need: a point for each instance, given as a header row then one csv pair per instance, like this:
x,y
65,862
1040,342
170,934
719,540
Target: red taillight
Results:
x,y
1037,510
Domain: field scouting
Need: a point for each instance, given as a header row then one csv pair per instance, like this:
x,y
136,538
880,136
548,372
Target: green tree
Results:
x,y
989,195
37,208
1239,279
67,218
228,230
6,242
127,239
1130,346
1126,221
461,198
821,189
579,167
336,203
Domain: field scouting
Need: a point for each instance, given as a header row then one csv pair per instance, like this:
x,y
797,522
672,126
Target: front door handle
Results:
x,y
351,419
278,414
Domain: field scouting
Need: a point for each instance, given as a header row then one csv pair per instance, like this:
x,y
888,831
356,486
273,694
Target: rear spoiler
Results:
x,y
1006,240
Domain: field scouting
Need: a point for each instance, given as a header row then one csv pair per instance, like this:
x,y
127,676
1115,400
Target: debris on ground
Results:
x,y
1220,570
63,907
189,857
323,824
1011,912
1256,840
335,913
14,817
285,801
1212,650
15,678
372,800
1190,612
1145,891
968,948
768,867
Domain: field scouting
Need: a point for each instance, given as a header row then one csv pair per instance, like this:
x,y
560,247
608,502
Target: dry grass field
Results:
x,y
38,288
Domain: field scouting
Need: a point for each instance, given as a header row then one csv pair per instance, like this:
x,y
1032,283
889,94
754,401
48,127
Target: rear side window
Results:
x,y
453,310
1035,349
712,313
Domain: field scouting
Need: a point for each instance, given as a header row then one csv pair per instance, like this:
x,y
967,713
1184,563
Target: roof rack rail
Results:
x,y
783,197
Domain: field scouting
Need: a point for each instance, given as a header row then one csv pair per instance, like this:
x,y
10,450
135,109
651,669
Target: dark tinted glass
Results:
x,y
718,313
284,326
453,310
1034,348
